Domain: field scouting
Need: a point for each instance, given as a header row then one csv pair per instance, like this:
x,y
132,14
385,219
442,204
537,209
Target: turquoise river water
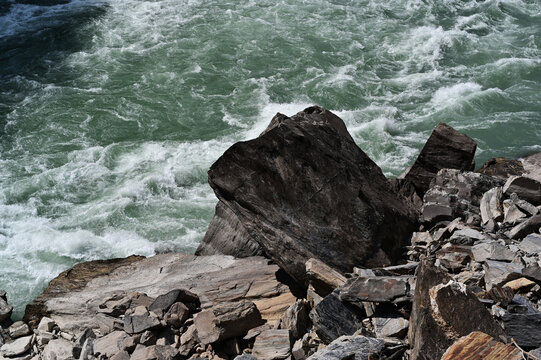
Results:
x,y
111,111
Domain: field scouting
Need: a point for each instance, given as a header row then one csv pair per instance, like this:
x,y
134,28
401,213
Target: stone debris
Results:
x,y
466,286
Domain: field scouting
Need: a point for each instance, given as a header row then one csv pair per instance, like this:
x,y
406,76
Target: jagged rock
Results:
x,y
523,205
478,345
456,194
446,148
526,188
140,321
272,309
332,318
87,334
502,168
58,349
356,347
531,244
18,329
454,257
466,236
123,355
215,279
499,272
500,294
385,327
512,213
425,338
296,319
303,189
533,273
46,324
176,315
527,227
110,344
226,235
375,289
397,270
532,166
322,277
5,308
421,238
407,190
17,347
520,285
147,338
491,205
246,357
155,352
273,344
491,251
188,341
116,304
226,320
524,328
87,350
163,302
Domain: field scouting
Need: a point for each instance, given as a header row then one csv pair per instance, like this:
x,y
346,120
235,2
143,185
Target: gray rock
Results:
x,y
492,250
529,226
526,188
385,327
226,235
283,186
155,352
226,320
188,341
246,357
446,148
322,277
163,302
491,205
87,349
273,344
531,244
17,347
396,270
354,347
123,355
512,214
296,319
498,272
147,338
525,329
110,344
524,205
46,324
18,329
374,289
139,322
5,309
332,318
58,349
467,236
177,315
532,273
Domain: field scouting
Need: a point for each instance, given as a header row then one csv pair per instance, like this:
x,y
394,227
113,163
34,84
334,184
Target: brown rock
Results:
x,y
502,168
303,189
226,320
296,319
272,345
446,148
322,277
110,344
480,346
375,289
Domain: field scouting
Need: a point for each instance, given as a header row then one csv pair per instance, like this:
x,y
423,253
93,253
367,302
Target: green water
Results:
x,y
112,111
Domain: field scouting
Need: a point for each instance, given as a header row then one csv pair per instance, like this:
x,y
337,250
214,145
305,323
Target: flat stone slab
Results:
x,y
478,345
531,244
215,279
356,347
272,344
375,289
17,347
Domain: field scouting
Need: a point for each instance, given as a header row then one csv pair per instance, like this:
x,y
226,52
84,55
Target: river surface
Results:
x,y
112,111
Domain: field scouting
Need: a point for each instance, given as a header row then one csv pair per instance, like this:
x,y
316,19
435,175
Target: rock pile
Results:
x,y
333,261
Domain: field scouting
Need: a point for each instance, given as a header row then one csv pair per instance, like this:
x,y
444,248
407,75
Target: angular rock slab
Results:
x,y
323,278
531,244
525,329
226,320
526,188
375,289
17,347
480,346
215,279
303,189
332,318
491,205
356,347
499,272
272,344
446,148
529,226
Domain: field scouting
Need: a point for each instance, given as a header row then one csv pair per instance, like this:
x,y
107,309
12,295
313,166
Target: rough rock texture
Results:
x,y
502,168
526,188
375,289
226,235
356,347
532,166
226,320
303,189
272,344
214,279
323,278
480,346
446,148
332,318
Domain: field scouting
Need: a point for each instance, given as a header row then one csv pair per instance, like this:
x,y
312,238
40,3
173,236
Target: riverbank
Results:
x,y
314,253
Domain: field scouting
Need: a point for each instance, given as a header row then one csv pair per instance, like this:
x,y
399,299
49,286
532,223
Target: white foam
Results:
x,y
446,96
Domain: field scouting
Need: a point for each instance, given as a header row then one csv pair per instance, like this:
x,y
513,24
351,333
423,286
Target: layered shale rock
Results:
x,y
303,189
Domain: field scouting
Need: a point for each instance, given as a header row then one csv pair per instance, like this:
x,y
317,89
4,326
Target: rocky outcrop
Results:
x,y
303,189
446,148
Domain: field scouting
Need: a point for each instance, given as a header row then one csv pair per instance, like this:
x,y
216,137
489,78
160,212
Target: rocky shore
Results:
x,y
314,254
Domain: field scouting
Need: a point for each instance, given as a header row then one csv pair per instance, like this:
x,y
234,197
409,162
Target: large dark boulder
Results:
x,y
446,148
303,189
